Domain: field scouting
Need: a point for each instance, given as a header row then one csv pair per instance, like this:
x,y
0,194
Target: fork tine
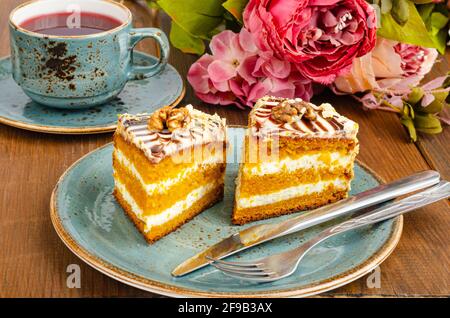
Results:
x,y
241,269
252,278
236,264
242,274
256,279
237,268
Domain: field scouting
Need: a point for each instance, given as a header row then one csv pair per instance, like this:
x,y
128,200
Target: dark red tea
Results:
x,y
67,24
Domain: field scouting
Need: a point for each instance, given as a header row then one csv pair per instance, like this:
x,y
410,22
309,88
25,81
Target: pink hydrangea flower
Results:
x,y
203,86
237,72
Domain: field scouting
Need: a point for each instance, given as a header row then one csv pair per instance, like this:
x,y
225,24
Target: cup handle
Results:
x,y
136,35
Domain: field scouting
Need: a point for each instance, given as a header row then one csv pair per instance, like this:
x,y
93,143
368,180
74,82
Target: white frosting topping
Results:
x,y
327,124
157,145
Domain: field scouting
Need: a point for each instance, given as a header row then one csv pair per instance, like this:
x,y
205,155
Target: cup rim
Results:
x,y
99,34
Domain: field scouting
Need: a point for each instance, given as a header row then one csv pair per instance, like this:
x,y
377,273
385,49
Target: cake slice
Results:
x,y
296,156
168,167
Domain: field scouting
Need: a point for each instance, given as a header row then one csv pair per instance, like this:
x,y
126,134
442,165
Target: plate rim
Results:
x,y
153,286
82,130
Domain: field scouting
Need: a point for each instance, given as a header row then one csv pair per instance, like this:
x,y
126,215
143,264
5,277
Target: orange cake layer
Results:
x,y
266,184
157,232
168,167
156,202
242,216
294,147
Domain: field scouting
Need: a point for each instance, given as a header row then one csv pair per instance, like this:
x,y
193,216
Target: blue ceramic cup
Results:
x,y
78,71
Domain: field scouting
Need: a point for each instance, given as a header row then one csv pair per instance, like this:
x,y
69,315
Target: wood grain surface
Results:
x,y
33,260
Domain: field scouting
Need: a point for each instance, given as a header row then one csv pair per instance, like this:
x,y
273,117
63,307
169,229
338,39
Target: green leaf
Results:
x,y
431,131
400,11
197,18
445,85
185,41
235,7
413,32
438,30
447,81
436,105
438,20
427,123
152,4
386,6
425,10
440,39
409,124
408,111
422,1
231,23
435,19
416,95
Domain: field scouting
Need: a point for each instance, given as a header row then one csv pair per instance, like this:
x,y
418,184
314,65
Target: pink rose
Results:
x,y
238,73
321,37
390,65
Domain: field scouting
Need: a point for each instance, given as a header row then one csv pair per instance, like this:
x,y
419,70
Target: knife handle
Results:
x,y
387,211
390,210
379,194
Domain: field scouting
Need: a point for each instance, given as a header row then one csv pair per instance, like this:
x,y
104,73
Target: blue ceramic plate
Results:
x,y
91,223
17,109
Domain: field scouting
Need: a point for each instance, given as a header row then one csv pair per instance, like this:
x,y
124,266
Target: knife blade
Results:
x,y
258,234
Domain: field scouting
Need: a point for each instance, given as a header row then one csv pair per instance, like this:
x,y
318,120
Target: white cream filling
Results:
x,y
164,185
291,192
168,214
305,162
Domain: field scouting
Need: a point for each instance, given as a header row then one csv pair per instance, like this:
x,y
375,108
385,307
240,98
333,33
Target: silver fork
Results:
x,y
281,265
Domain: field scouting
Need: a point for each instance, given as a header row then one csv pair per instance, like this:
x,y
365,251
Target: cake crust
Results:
x,y
243,216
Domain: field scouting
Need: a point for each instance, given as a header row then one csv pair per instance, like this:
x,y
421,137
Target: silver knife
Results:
x,y
258,234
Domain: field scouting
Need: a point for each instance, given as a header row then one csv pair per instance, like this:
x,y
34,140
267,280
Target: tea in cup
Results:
x,y
77,53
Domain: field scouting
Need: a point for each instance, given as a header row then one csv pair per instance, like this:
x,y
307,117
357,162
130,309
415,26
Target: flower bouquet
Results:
x,y
377,51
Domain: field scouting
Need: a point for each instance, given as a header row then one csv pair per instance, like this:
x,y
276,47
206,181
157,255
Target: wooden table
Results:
x,y
33,260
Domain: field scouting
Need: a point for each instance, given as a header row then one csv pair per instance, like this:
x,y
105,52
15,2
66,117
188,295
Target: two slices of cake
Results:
x,y
170,165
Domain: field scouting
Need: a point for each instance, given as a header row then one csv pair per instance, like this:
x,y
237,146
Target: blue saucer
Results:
x,y
17,109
